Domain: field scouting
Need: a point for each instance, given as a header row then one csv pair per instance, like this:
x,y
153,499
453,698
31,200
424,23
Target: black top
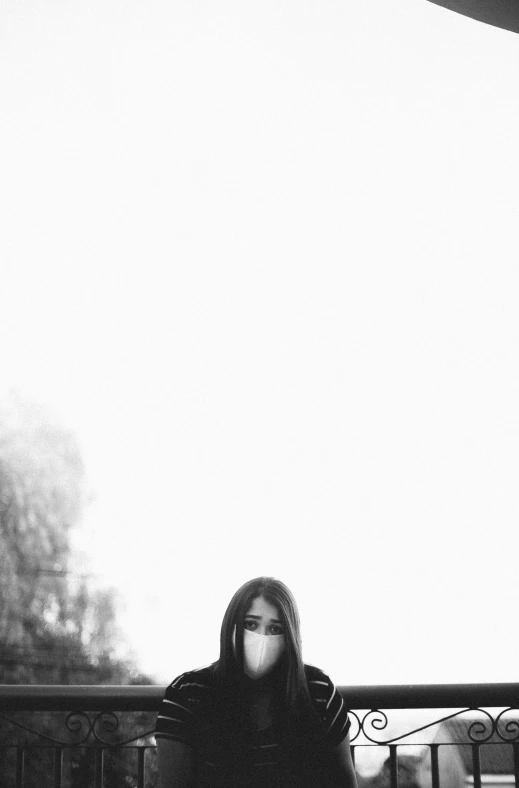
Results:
x,y
260,750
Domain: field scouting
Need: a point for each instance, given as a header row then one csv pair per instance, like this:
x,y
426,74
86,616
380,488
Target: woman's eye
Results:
x,y
249,625
275,629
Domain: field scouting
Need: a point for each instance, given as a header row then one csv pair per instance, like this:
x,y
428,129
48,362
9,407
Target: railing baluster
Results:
x,y
393,756
435,771
476,765
516,764
140,767
20,766
58,766
99,766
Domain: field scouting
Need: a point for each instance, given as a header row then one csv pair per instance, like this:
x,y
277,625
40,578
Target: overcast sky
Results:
x,y
261,257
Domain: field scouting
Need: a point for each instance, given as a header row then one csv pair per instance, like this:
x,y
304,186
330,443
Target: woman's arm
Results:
x,y
176,764
343,771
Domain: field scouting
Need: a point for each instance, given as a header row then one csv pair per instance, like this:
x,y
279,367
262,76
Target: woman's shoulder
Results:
x,y
203,678
319,683
315,675
329,704
183,701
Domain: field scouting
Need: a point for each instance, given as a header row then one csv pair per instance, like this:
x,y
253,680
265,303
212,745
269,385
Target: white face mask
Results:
x,y
261,652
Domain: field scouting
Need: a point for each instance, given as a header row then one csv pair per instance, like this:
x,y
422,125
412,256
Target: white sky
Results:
x,y
262,258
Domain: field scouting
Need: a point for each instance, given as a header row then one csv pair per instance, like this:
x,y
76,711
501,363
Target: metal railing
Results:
x,y
95,745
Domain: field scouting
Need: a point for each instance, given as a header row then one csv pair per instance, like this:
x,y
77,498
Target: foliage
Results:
x,y
55,627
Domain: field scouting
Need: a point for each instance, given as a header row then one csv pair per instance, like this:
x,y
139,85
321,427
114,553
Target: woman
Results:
x,y
258,716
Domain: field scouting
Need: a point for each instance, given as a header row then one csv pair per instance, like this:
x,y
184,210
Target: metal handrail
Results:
x,y
52,697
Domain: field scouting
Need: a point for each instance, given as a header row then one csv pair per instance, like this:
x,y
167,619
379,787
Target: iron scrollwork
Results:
x,y
479,731
101,728
511,727
86,729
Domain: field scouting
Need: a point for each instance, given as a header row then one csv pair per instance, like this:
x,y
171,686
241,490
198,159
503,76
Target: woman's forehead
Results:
x,y
261,607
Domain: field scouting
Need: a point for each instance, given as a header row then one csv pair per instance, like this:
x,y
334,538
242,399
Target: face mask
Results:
x,y
261,652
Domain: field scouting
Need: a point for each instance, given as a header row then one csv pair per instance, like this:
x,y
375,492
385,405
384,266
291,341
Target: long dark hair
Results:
x,y
297,702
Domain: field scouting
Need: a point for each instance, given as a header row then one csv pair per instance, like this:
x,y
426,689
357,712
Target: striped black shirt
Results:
x,y
259,755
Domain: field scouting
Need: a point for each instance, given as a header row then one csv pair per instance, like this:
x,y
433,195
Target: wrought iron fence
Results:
x,y
102,736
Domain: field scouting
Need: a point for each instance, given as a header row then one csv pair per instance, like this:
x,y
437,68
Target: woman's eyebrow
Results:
x,y
272,620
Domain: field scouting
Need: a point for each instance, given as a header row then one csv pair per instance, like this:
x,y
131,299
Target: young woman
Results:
x,y
258,717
